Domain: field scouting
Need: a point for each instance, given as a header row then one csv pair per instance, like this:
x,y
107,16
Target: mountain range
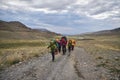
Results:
x,y
17,30
111,32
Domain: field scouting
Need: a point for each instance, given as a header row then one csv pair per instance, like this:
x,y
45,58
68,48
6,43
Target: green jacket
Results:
x,y
52,46
69,43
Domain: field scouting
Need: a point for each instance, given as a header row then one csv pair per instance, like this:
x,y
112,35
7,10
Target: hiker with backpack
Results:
x,y
59,45
73,44
63,44
53,48
69,46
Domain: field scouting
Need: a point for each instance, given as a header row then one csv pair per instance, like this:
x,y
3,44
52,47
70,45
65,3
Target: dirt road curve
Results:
x,y
79,66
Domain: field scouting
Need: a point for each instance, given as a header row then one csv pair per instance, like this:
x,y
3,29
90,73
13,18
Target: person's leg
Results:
x,y
72,47
63,49
53,56
69,48
59,49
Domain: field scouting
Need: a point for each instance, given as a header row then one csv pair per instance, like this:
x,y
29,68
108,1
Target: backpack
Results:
x,y
64,37
57,44
52,45
63,41
70,43
73,42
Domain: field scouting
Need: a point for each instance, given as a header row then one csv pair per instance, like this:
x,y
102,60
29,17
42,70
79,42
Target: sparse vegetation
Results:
x,y
105,50
15,51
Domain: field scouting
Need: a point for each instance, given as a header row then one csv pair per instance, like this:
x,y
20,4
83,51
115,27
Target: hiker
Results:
x,y
73,44
64,43
69,46
59,45
53,48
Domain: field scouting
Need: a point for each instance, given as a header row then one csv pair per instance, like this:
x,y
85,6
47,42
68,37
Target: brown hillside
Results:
x,y
17,30
13,26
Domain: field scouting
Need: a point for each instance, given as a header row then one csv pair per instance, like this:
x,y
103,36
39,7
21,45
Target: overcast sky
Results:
x,y
63,16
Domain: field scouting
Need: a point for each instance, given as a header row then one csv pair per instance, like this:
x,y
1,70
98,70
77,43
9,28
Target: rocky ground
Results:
x,y
78,66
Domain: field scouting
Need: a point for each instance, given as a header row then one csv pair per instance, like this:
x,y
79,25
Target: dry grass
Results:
x,y
15,51
105,50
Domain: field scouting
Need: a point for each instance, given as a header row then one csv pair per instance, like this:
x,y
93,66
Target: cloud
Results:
x,y
46,6
100,9
74,16
103,15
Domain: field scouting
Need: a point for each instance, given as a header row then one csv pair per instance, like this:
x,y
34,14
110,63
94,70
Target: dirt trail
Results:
x,y
78,66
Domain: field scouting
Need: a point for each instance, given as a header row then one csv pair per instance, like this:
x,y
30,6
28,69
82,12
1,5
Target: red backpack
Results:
x,y
63,41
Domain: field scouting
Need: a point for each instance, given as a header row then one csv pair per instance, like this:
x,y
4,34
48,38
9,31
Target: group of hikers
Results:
x,y
58,45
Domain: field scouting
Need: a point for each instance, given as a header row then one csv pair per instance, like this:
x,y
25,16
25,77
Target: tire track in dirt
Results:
x,y
77,70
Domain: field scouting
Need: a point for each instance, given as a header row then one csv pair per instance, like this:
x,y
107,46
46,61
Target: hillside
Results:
x,y
13,26
113,32
108,32
17,30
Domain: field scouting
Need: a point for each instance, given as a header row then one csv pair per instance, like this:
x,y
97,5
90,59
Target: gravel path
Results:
x,y
79,66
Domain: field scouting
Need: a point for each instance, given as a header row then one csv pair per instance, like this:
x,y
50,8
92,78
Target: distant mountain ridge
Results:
x,y
17,30
115,31
108,32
